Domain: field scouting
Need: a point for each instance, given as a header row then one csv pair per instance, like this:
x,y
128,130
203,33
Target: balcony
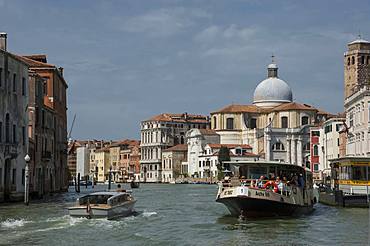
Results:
x,y
10,150
46,155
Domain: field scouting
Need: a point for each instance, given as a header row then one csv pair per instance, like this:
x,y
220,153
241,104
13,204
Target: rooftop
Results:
x,y
169,117
179,147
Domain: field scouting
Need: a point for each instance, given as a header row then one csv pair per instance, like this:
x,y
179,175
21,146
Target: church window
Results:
x,y
284,122
348,61
304,120
353,60
362,59
278,146
368,60
214,122
253,123
315,150
182,140
230,123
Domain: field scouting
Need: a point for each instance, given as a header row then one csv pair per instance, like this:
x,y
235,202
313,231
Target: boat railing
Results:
x,y
287,189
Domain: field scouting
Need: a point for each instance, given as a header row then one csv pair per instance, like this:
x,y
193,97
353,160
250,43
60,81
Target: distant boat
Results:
x,y
110,205
134,184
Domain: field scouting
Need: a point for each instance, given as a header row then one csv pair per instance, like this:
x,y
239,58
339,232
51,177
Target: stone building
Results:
x,y
197,139
356,66
13,123
161,132
276,127
172,159
53,172
357,108
102,163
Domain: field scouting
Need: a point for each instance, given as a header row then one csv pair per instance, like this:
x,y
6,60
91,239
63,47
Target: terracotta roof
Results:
x,y
35,64
168,117
208,132
179,147
233,108
230,146
294,106
129,142
38,57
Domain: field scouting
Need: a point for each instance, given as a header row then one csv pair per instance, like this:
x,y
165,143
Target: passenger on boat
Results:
x,y
271,185
260,182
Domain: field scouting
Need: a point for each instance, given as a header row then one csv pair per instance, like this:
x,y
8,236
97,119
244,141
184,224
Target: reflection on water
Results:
x,y
176,215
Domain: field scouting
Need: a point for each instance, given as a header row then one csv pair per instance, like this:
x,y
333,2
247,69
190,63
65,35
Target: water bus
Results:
x,y
349,182
106,204
249,192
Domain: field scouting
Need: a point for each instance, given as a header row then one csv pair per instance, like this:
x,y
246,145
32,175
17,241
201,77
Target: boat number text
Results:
x,y
260,193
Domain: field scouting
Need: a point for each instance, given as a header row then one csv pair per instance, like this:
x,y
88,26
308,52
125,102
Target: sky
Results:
x,y
125,61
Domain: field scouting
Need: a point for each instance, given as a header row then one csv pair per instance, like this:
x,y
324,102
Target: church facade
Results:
x,y
274,125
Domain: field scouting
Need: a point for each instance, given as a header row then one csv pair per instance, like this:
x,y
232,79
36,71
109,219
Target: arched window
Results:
x,y
348,61
182,140
315,150
353,60
214,122
304,120
284,122
230,123
7,128
368,60
306,147
253,123
362,59
278,146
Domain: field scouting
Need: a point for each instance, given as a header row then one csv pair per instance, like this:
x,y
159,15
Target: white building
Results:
x,y
171,162
197,139
161,132
357,108
13,123
328,147
83,161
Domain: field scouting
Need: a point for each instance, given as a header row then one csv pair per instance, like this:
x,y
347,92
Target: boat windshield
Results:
x,y
94,199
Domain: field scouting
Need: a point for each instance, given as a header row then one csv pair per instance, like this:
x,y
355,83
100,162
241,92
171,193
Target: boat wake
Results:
x,y
149,214
13,223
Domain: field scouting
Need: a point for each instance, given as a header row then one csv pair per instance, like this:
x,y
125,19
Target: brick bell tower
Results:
x,y
356,66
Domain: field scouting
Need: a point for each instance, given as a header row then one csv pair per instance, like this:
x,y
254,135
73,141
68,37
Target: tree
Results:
x,y
223,156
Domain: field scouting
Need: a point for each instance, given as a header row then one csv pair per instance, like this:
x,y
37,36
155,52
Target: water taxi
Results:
x,y
249,192
109,204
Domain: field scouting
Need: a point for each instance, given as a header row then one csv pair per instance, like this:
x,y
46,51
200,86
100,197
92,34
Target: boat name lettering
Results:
x,y
261,193
228,192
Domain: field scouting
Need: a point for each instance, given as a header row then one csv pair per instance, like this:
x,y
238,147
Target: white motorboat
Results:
x,y
109,204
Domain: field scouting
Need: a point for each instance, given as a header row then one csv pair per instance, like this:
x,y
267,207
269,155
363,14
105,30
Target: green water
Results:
x,y
176,215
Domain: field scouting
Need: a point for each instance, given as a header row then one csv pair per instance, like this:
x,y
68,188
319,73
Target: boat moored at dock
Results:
x,y
109,204
249,193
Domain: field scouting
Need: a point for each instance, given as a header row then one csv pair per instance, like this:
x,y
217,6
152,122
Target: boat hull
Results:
x,y
107,212
252,207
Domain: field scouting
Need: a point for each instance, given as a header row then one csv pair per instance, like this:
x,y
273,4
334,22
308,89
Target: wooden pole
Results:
x,y
78,183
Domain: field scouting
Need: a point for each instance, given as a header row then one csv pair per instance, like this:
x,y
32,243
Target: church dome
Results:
x,y
272,91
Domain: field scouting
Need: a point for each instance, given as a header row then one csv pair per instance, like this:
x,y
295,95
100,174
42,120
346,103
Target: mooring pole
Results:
x,y
110,178
26,180
78,183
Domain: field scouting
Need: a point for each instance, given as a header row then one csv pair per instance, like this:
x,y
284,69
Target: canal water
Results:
x,y
176,215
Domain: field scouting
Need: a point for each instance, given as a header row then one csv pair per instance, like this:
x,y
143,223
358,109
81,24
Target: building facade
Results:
x,y
197,139
172,158
13,123
53,116
161,132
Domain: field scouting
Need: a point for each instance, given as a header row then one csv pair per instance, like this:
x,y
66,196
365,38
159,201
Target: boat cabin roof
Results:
x,y
267,163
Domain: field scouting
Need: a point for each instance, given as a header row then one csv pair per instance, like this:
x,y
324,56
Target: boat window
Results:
x,y
359,173
257,172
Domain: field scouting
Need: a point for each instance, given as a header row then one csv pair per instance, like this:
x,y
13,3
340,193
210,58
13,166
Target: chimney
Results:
x,y
3,37
61,71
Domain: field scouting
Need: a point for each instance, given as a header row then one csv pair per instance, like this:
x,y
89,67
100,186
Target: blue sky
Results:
x,y
128,60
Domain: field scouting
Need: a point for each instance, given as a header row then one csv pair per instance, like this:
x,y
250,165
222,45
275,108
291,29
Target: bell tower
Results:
x,y
356,66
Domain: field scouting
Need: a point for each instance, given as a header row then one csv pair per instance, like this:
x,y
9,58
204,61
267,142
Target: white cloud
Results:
x,y
163,22
230,33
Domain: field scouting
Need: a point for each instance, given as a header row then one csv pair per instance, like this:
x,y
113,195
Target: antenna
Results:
x,y
70,130
272,58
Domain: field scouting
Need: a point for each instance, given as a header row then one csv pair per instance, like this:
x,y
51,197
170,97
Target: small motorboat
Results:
x,y
134,184
109,204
